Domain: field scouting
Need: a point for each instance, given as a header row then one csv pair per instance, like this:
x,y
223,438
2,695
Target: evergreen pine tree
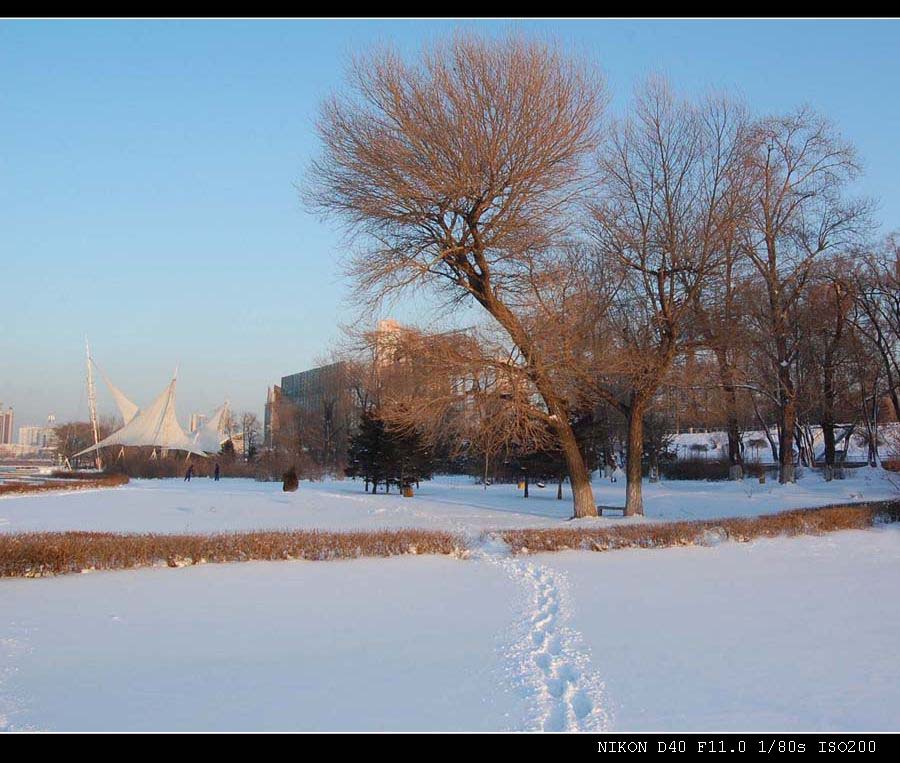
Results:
x,y
380,455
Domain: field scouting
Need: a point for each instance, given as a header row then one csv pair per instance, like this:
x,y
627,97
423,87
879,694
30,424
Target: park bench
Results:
x,y
601,509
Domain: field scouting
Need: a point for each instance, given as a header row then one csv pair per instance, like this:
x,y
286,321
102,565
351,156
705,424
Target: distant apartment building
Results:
x,y
270,415
30,436
387,343
197,421
7,420
39,436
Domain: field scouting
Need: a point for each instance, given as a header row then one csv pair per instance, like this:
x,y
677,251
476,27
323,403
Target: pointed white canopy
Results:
x,y
210,436
126,407
156,426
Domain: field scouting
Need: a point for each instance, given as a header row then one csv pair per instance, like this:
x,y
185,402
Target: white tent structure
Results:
x,y
128,409
154,426
211,435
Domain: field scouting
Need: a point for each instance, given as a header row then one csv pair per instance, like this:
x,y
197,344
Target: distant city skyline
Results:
x,y
148,193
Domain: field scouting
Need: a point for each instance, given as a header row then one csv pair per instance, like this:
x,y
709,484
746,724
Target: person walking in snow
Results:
x,y
216,474
189,473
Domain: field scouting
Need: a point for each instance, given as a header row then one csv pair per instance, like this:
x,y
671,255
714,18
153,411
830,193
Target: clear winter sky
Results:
x,y
148,171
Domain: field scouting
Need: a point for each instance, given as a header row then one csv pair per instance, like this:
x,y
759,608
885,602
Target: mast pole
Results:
x,y
92,403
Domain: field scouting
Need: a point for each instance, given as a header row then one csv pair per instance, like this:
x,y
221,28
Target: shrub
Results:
x,y
64,481
754,469
40,554
786,523
694,469
289,481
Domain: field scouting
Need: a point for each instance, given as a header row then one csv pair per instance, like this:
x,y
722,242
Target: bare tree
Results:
x,y
718,321
868,386
74,436
877,310
457,173
463,390
797,214
250,431
665,215
824,326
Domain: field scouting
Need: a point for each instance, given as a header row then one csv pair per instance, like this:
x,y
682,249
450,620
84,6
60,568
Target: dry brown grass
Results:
x,y
661,535
64,481
53,553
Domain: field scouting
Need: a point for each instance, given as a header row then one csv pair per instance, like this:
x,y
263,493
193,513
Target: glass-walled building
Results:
x,y
317,387
313,412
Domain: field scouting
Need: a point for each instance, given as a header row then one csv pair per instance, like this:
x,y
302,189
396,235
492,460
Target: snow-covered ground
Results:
x,y
792,634
777,634
771,635
453,503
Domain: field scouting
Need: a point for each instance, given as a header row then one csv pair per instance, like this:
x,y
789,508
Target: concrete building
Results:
x,y
387,343
270,415
33,437
7,421
39,436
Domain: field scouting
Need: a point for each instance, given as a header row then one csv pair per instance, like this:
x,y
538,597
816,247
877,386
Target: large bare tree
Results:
x,y
824,327
877,310
797,214
671,195
458,172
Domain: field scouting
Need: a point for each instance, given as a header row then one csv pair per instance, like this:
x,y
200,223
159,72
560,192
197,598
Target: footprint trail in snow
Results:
x,y
548,660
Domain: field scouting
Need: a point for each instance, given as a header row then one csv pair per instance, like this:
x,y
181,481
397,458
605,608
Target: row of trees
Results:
x,y
690,245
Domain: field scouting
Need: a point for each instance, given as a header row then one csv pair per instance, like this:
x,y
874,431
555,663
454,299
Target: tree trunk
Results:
x,y
804,447
634,502
579,477
726,377
828,421
735,455
582,493
788,425
559,488
830,449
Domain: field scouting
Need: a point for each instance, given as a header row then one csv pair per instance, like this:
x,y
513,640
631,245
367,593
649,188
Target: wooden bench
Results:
x,y
601,509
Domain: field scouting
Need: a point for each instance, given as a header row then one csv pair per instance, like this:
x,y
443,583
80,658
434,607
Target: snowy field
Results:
x,y
784,634
453,503
796,634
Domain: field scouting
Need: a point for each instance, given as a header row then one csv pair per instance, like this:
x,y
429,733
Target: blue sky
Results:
x,y
148,178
